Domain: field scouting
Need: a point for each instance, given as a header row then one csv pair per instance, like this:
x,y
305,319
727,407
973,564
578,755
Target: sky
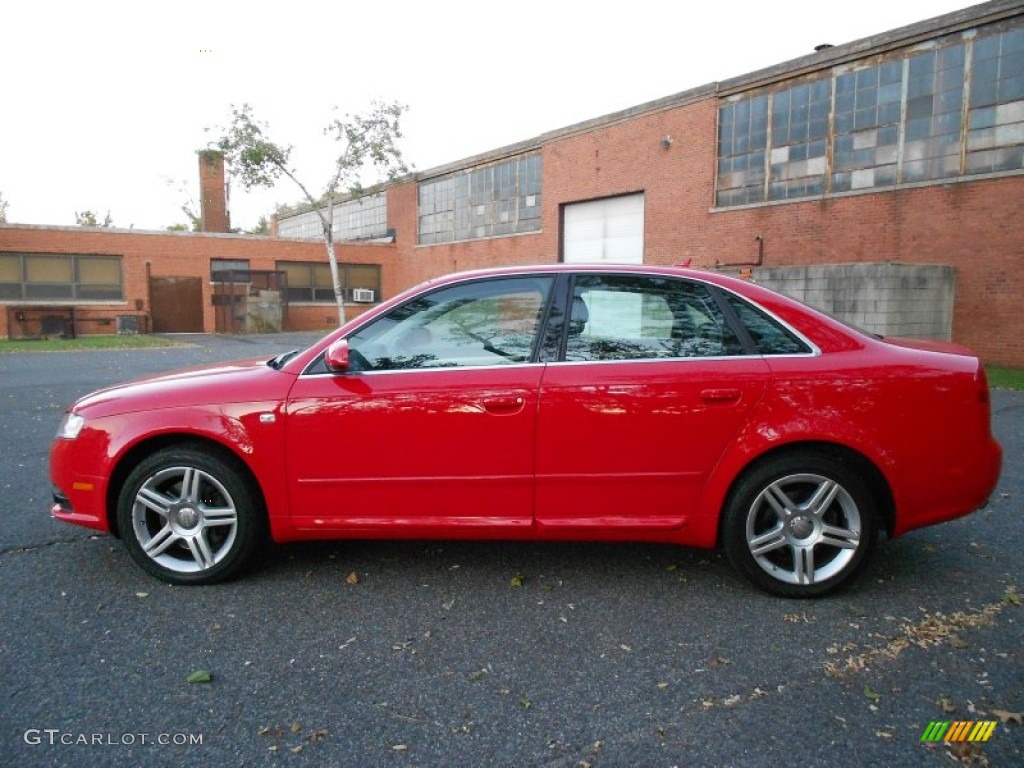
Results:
x,y
103,105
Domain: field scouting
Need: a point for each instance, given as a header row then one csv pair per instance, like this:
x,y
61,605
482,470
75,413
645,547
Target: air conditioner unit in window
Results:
x,y
362,295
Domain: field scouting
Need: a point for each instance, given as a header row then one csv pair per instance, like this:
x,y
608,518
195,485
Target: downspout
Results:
x,y
758,263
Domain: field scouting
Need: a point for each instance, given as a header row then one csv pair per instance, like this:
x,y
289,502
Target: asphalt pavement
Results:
x,y
500,654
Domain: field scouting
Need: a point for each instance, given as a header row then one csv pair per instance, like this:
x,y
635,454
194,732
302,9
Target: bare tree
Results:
x,y
89,219
368,145
3,209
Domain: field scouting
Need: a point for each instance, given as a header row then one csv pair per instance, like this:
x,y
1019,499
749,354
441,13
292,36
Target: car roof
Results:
x,y
641,269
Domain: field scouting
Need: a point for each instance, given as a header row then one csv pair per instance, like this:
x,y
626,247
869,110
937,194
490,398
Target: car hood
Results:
x,y
209,385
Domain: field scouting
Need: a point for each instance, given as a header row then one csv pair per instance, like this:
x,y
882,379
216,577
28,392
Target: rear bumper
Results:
x,y
966,488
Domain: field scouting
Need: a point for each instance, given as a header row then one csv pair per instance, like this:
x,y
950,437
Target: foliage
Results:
x,y
1000,377
369,147
89,219
262,227
84,342
3,209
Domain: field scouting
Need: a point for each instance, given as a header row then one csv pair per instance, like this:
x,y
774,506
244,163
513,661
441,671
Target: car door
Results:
x,y
651,384
433,425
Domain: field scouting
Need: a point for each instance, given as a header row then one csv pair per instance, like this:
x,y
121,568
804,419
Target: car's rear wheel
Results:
x,y
800,525
188,516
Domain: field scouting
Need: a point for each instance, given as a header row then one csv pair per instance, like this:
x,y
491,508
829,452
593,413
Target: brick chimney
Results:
x,y
213,192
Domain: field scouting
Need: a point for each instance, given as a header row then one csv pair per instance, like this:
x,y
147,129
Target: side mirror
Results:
x,y
337,356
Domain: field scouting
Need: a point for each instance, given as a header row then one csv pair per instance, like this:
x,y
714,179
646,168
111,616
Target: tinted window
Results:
x,y
768,336
629,317
492,322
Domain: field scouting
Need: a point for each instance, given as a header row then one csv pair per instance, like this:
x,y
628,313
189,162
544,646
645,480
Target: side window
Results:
x,y
768,336
626,317
487,322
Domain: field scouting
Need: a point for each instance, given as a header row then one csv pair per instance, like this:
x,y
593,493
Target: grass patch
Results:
x,y
1005,378
84,342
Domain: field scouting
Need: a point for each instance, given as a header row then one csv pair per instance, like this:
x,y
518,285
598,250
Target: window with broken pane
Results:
x,y
487,201
995,120
887,122
867,118
935,99
742,144
799,140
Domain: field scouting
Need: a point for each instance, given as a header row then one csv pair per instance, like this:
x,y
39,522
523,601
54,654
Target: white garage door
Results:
x,y
605,231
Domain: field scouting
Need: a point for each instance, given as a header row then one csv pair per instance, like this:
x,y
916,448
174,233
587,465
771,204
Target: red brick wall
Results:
x,y
973,226
187,255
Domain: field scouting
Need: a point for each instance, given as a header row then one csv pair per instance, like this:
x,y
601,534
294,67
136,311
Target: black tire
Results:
x,y
800,524
187,515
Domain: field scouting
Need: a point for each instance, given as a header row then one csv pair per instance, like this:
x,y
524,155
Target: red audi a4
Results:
x,y
547,403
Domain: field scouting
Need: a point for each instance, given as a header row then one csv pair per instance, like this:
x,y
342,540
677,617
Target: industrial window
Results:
x,y
221,269
995,139
890,122
59,277
310,282
742,139
364,218
488,201
799,133
867,127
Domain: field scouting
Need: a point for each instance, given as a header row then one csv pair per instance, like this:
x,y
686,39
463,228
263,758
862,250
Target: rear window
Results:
x,y
768,335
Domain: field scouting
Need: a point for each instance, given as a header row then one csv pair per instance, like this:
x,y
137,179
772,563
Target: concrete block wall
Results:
x,y
909,300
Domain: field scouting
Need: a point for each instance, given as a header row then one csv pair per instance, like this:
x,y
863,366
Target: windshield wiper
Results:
x,y
281,359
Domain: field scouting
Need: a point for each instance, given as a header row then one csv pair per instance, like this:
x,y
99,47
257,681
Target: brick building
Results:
x,y
883,165
75,280
880,179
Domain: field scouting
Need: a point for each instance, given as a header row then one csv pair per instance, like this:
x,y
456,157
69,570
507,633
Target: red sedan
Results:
x,y
547,403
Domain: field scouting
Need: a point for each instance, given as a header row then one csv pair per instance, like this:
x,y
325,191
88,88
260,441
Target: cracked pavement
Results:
x,y
604,655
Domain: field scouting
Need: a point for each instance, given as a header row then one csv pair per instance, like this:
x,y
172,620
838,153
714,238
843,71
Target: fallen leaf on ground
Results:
x,y
871,694
199,676
1007,717
517,580
947,706
353,579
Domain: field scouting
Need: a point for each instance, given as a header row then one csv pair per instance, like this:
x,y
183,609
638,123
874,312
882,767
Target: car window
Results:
x,y
634,317
486,322
769,337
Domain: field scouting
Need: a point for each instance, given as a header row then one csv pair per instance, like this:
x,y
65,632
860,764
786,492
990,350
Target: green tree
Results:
x,y
262,227
369,145
88,219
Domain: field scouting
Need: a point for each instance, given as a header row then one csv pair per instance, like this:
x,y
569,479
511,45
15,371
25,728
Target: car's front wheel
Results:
x,y
800,525
187,516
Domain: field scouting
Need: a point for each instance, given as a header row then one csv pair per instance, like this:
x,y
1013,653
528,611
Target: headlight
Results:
x,y
70,426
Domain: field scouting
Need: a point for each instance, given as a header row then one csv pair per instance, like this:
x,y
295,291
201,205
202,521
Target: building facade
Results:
x,y
906,149
70,280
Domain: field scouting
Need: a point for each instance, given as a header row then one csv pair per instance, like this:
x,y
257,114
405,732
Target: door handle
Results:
x,y
510,404
720,395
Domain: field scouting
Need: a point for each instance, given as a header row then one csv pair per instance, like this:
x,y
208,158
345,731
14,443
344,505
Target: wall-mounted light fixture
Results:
x,y
666,142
